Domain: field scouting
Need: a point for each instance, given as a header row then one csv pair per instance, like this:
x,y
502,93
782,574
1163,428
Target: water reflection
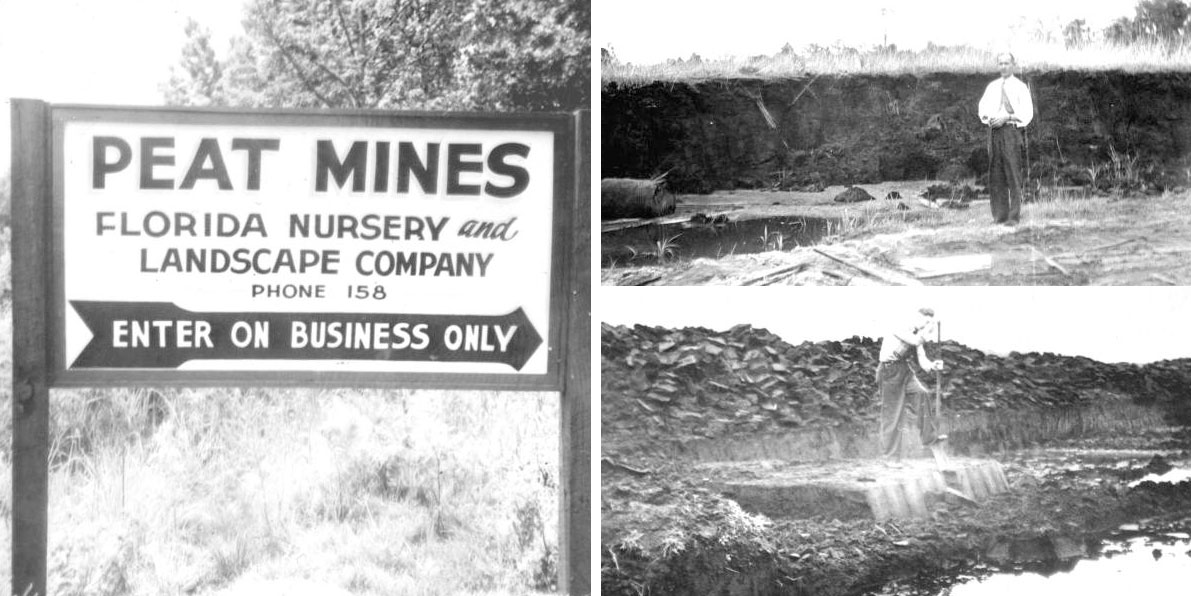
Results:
x,y
703,237
1151,565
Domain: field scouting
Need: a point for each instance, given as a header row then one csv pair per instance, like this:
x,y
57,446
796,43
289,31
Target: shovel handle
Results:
x,y
939,374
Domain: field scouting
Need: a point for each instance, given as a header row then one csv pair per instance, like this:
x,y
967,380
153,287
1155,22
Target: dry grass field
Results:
x,y
838,61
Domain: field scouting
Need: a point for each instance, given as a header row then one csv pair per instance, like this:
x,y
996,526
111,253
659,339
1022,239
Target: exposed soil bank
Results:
x,y
669,533
795,133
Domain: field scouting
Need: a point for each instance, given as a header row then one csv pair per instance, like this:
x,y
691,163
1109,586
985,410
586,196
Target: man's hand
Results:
x,y
937,366
998,121
928,329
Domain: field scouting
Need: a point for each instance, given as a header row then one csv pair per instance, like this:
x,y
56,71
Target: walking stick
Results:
x,y
938,448
939,376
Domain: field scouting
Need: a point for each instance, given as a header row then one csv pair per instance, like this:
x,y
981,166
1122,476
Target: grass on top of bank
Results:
x,y
841,60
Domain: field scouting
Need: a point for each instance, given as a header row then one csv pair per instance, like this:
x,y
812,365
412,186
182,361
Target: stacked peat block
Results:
x,y
680,384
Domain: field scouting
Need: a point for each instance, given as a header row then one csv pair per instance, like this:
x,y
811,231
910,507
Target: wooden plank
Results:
x,y
574,540
1049,261
928,267
775,274
1098,248
636,222
31,203
886,276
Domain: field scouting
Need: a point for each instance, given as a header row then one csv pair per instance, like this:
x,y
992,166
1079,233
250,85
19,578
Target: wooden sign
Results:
x,y
157,246
283,247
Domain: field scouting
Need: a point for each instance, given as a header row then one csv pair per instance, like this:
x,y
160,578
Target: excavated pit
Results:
x,y
837,472
705,430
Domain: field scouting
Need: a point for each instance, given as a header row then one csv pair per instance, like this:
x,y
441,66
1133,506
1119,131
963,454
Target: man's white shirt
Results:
x,y
894,348
1019,99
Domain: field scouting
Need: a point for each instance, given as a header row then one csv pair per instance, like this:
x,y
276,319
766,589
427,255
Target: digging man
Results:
x,y
896,381
1006,108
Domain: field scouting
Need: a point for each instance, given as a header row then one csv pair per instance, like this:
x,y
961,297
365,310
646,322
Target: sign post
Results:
x,y
30,347
575,414
158,246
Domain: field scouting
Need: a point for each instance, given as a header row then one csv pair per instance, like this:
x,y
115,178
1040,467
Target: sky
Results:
x,y
651,31
119,52
107,52
1117,324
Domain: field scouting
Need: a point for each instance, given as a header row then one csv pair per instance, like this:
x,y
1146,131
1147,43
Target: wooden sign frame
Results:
x,y
38,304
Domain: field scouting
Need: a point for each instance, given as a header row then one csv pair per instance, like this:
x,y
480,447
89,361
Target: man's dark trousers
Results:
x,y
902,395
1004,174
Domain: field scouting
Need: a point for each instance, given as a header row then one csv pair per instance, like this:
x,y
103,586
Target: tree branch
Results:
x,y
314,61
294,64
356,47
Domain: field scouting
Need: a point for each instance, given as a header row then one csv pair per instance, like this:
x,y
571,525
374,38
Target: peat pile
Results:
x,y
679,384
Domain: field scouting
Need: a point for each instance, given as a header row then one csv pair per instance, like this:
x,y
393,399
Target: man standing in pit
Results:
x,y
895,381
1007,109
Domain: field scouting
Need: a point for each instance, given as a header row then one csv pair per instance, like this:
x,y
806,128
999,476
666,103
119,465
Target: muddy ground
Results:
x,y
664,531
1066,237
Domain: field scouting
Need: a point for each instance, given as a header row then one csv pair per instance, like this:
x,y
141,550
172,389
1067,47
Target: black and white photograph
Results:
x,y
875,142
295,297
895,441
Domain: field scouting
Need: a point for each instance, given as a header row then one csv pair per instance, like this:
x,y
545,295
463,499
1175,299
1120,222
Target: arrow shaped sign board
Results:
x,y
281,246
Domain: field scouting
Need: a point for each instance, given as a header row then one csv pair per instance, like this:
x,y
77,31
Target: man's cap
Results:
x,y
930,312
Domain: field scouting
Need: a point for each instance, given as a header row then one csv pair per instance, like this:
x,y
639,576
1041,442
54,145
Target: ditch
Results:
x,y
657,243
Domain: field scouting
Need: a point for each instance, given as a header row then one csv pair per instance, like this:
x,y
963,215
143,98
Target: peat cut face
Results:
x,y
796,134
725,395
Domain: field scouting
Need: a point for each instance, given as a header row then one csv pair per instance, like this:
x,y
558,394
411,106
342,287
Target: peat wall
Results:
x,y
744,393
799,133
969,433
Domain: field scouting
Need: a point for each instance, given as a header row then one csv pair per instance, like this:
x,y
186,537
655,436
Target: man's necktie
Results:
x,y
1005,99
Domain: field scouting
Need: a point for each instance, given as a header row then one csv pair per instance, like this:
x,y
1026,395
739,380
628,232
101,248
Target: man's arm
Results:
x,y
912,338
988,105
1023,104
926,363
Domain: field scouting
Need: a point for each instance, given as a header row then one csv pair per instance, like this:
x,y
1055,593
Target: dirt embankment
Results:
x,y
674,400
815,131
667,533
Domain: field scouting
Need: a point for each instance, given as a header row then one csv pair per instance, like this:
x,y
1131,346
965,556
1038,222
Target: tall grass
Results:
x,y
335,491
817,60
300,492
